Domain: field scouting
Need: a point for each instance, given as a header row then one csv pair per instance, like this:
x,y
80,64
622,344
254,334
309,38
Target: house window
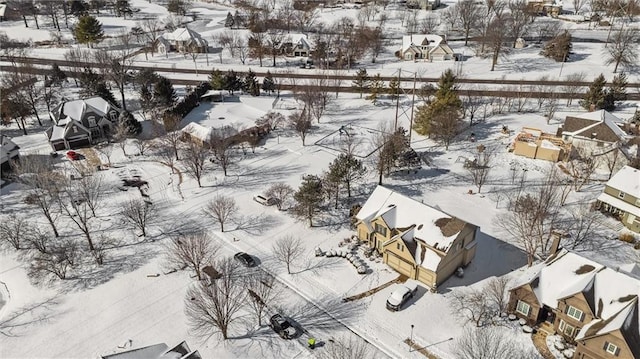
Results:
x,y
566,329
400,247
575,313
621,194
92,121
75,129
113,115
611,348
523,308
381,229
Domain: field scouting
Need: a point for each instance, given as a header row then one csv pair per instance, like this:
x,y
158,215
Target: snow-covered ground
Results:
x,y
103,307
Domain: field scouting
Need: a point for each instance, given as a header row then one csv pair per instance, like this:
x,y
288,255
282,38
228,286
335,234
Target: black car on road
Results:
x,y
245,259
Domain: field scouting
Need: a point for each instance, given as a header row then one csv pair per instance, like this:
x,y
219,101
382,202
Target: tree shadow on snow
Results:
x,y
17,323
256,224
493,258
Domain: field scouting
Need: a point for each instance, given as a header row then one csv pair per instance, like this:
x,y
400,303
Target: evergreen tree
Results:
x,y
163,92
217,80
103,91
232,82
123,8
229,20
146,99
309,198
57,76
394,88
618,88
596,95
93,84
559,48
361,82
146,78
78,8
88,30
376,89
178,7
133,126
447,85
250,85
268,85
349,170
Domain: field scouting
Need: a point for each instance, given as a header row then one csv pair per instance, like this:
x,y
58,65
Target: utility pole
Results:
x,y
413,102
395,124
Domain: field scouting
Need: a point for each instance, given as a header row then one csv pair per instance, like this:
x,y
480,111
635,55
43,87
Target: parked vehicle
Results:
x,y
245,259
265,200
282,326
402,294
73,155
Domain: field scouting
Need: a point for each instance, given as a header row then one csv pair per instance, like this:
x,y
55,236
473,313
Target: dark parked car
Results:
x,y
282,326
245,259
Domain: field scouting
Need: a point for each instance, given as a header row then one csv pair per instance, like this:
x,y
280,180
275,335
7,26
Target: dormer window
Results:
x,y
621,195
381,229
92,121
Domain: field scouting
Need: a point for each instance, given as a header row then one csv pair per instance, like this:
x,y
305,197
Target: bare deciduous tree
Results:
x,y
13,229
221,208
56,263
281,192
498,292
300,121
195,159
582,166
613,160
287,250
481,167
138,214
473,305
624,48
583,226
213,308
222,146
195,250
38,239
263,290
572,84
344,347
490,343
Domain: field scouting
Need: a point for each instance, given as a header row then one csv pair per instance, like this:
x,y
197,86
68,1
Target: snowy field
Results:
x,y
103,307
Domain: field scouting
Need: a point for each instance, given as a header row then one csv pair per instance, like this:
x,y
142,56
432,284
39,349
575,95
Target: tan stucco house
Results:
x,y
425,47
621,197
414,239
588,304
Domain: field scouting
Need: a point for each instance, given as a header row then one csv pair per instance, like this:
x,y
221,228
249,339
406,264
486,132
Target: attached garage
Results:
x,y
79,142
399,264
426,276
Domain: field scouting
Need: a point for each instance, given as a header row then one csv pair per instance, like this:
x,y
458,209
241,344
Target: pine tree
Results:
x,y
133,127
178,7
394,88
361,82
217,80
229,20
596,95
88,31
123,8
268,85
232,82
376,89
250,85
559,47
103,91
57,76
78,8
146,99
349,168
309,198
163,92
618,88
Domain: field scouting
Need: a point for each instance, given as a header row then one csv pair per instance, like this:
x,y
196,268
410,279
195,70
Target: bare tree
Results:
x,y
472,305
77,59
195,250
274,41
581,167
263,290
13,229
344,347
481,167
195,159
43,184
222,141
90,189
151,28
519,18
490,343
38,239
287,250
56,263
578,5
272,119
583,226
106,150
572,84
281,192
613,161
221,208
429,24
469,13
213,308
498,292
495,38
300,121
138,214
120,135
624,48
142,144
24,83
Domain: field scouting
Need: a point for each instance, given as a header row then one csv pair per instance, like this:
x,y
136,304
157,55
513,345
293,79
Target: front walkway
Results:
x,y
401,279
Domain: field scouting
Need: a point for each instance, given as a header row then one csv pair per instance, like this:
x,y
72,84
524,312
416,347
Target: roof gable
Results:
x,y
601,123
420,40
627,180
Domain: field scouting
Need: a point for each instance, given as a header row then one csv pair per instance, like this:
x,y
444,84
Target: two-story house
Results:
x,y
590,305
621,197
297,45
80,123
425,47
596,132
181,40
416,240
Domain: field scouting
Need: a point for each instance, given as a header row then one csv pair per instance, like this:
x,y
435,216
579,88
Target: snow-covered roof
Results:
x,y
627,180
612,295
401,212
8,149
420,40
157,351
185,34
299,39
620,204
198,131
573,125
77,108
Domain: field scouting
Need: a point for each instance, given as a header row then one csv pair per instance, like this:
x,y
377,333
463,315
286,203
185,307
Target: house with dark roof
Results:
x,y
157,351
621,197
597,131
9,151
80,123
414,239
587,303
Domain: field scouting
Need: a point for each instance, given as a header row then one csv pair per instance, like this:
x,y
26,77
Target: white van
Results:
x,y
401,294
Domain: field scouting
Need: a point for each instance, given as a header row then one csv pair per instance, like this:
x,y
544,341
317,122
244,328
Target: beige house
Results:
x,y
621,197
425,47
297,45
533,143
181,40
416,240
590,305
